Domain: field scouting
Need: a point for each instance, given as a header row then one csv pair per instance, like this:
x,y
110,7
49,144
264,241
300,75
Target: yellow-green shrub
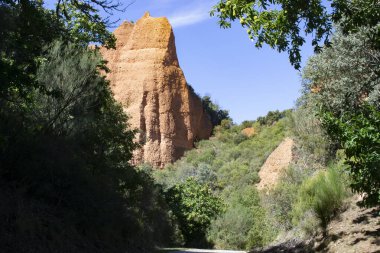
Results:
x,y
323,194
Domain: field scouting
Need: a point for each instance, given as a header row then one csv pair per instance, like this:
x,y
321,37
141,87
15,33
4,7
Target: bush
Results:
x,y
324,194
229,165
279,202
359,134
243,225
216,114
272,117
342,84
194,206
310,136
64,169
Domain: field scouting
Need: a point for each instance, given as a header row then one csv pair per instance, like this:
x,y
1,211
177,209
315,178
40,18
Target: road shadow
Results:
x,y
291,246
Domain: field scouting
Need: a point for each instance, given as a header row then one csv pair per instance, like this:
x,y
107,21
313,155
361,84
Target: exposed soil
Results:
x,y
276,162
356,230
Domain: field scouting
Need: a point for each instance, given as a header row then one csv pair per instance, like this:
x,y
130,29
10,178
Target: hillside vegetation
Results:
x,y
335,126
228,165
66,184
66,179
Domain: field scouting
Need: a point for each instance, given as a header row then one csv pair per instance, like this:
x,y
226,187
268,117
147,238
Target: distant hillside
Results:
x,y
229,164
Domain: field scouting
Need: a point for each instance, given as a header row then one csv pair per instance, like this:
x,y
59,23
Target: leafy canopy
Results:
x,y
216,114
83,21
64,143
30,27
284,24
359,134
342,83
195,206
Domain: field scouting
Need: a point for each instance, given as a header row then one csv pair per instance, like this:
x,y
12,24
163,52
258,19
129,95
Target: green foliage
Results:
x,y
342,84
278,23
359,134
66,181
243,225
280,201
229,165
84,23
28,27
323,194
272,117
247,123
342,77
195,206
67,158
213,110
315,148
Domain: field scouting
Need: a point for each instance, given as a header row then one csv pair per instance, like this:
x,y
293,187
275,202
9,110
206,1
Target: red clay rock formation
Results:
x,y
147,80
249,131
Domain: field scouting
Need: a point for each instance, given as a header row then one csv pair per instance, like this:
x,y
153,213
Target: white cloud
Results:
x,y
194,12
188,18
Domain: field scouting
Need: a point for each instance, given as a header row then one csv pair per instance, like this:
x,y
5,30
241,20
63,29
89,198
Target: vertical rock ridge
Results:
x,y
147,80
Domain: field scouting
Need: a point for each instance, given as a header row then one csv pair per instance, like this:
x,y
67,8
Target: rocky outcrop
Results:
x,y
147,80
248,132
276,162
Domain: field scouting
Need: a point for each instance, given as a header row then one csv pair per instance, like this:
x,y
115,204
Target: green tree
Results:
x,y
65,146
83,21
29,26
195,206
359,134
278,23
342,84
67,158
272,117
213,110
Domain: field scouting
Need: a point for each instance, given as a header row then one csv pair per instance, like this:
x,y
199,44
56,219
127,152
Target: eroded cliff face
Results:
x,y
149,83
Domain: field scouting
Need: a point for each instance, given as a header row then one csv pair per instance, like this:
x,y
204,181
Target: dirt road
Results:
x,y
207,251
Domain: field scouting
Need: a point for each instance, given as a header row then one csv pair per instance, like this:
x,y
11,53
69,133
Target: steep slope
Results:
x,y
276,162
148,81
354,230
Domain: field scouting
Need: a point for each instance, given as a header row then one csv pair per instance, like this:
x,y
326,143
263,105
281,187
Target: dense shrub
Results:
x,y
342,84
216,114
272,117
359,134
314,146
195,206
323,194
243,225
229,164
64,167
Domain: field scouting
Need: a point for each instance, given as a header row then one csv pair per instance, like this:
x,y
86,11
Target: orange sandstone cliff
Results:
x,y
147,80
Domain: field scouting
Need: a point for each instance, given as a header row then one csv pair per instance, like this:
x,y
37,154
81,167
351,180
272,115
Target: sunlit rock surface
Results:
x,y
147,80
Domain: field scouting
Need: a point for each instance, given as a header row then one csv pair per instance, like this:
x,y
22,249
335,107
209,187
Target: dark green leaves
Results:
x,y
195,207
277,23
284,24
359,134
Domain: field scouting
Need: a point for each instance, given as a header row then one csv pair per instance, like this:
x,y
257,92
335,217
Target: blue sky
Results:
x,y
224,63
